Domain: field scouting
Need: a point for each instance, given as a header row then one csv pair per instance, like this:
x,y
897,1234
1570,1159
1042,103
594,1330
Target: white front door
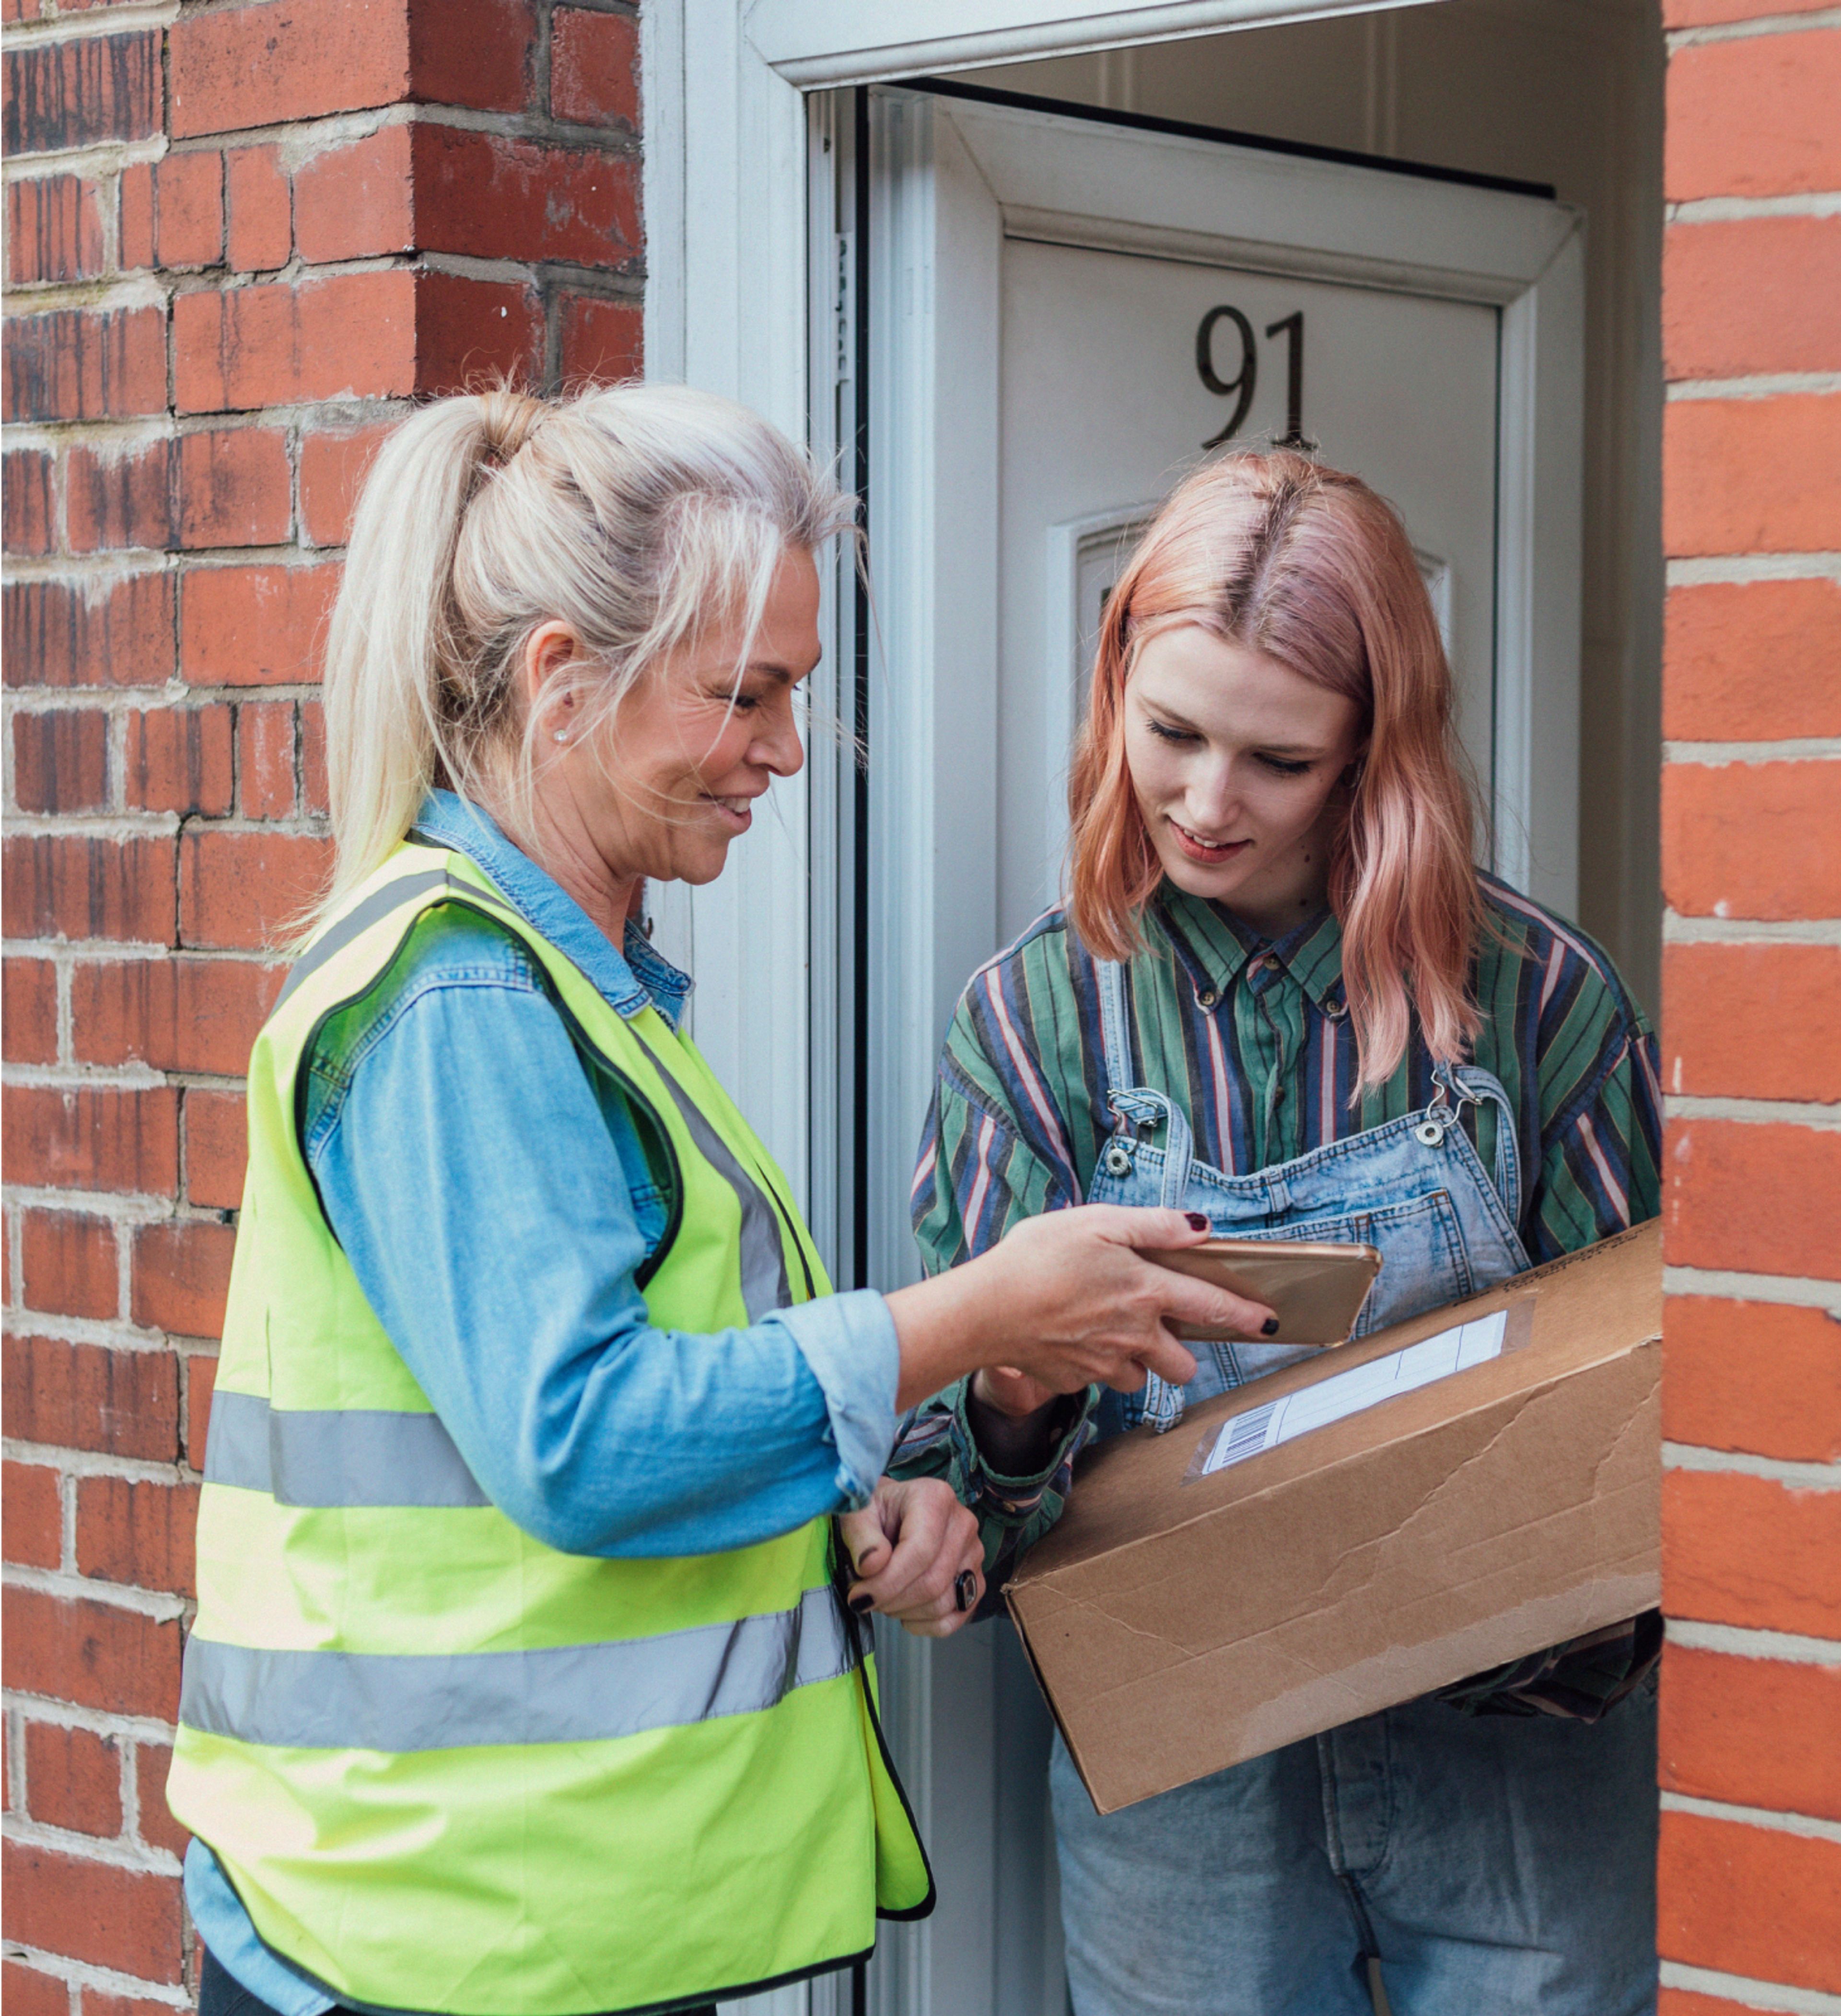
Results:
x,y
1030,324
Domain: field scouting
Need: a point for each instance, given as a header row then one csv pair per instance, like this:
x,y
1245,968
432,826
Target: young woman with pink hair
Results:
x,y
1282,995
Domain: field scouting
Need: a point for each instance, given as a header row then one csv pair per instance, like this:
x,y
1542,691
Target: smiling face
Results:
x,y
663,787
1235,760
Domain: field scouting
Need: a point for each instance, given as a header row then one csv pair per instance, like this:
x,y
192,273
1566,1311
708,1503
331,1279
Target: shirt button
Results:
x,y
1207,998
1335,1008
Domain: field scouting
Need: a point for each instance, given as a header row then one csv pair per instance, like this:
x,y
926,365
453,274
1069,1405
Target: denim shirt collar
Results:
x,y
630,980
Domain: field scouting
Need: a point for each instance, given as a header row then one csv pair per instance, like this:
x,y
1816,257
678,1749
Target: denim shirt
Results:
x,y
492,1194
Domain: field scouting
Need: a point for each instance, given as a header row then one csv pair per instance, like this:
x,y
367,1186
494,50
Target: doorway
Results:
x,y
1035,318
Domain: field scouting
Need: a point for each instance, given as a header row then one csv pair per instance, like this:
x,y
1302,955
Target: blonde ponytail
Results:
x,y
639,515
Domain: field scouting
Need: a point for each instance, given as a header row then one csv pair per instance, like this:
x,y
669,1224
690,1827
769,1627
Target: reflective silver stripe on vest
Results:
x,y
393,895
764,1284
352,1455
396,1702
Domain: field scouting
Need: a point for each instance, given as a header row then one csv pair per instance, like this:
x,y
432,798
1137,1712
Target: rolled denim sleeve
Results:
x,y
473,1167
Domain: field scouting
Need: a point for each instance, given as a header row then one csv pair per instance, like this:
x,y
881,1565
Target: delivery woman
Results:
x,y
1282,996
523,1681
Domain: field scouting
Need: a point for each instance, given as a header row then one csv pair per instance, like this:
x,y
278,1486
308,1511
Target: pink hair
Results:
x,y
1309,565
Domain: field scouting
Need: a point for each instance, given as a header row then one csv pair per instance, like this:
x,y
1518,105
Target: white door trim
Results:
x,y
813,42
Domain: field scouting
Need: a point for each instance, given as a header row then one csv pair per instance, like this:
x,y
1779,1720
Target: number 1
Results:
x,y
1293,326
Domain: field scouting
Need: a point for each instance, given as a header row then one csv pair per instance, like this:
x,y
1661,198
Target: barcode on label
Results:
x,y
1244,1436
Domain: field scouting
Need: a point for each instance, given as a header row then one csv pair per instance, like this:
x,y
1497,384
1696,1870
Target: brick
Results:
x,y
493,196
178,760
93,1654
24,1990
60,760
118,631
235,489
98,2002
1745,475
1750,1901
1711,13
1753,1376
94,1139
74,1779
86,1396
315,794
255,625
594,68
31,1517
349,337
471,332
356,202
1754,117
157,1828
121,499
266,758
84,364
1749,1551
140,1533
135,218
333,469
65,95
217,1152
477,53
1751,840
603,341
226,487
269,64
54,230
30,504
28,1018
1717,997
1760,294
1752,1732
67,886
1760,1199
246,890
95,1911
182,1014
182,1274
259,211
1752,660
188,209
201,1379
68,1264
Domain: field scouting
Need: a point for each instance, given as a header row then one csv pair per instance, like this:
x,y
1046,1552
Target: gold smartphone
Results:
x,y
1315,1291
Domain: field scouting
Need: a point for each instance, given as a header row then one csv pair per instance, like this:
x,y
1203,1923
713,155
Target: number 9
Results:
x,y
1243,381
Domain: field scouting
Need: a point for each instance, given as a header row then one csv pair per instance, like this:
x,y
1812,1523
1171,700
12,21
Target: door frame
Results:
x,y
735,152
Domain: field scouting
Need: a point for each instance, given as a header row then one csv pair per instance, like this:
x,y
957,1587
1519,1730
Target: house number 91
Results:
x,y
1242,386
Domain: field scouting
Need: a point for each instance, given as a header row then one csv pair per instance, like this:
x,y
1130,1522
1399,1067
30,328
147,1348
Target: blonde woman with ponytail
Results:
x,y
1281,995
543,1498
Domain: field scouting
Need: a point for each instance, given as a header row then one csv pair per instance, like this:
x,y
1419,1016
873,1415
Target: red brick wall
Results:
x,y
239,242
1751,1731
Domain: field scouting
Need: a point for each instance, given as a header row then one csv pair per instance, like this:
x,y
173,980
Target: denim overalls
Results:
x,y
1497,1863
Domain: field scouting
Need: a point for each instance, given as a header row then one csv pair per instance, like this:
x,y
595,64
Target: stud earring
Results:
x,y
559,734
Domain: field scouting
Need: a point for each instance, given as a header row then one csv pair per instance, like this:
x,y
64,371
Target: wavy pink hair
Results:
x,y
1273,553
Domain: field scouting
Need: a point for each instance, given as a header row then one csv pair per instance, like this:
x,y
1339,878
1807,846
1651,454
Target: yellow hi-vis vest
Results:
x,y
448,1767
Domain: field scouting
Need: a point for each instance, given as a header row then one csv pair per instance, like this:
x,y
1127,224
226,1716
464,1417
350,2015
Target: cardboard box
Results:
x,y
1180,1620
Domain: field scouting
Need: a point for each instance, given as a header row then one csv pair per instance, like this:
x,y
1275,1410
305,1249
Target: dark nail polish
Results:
x,y
1197,1222
1270,1327
862,1601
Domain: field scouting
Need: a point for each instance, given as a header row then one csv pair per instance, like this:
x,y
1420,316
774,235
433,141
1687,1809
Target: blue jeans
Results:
x,y
1496,1865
